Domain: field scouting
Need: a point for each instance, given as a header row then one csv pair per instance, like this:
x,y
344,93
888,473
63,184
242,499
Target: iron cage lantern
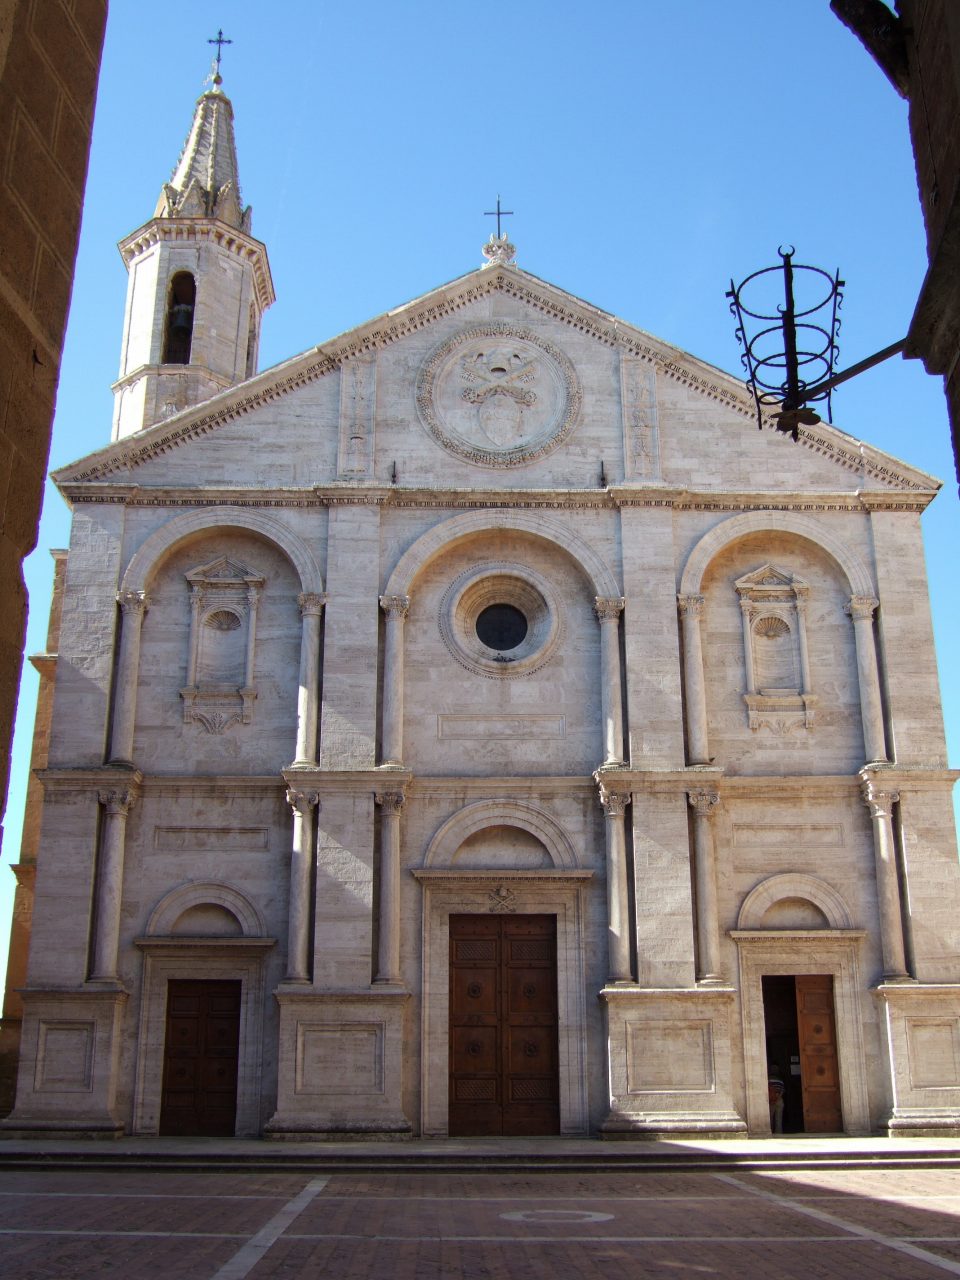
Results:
x,y
791,362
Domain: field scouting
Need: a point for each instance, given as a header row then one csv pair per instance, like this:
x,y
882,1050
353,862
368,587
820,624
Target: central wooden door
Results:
x,y
503,1025
819,1067
200,1059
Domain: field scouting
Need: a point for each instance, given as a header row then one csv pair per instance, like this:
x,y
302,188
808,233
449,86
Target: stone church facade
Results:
x,y
476,726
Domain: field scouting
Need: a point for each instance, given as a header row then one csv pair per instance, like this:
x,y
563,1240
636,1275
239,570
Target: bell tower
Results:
x,y
198,284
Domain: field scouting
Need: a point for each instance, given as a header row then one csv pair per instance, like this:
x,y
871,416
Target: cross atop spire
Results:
x,y
498,213
220,40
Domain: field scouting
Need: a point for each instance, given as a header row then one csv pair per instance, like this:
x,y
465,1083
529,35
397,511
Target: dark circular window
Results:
x,y
501,627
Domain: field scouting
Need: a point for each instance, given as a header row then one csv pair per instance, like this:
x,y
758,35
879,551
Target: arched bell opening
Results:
x,y
178,326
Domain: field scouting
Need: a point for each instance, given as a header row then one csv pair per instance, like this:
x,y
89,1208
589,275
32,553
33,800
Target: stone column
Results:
x,y
133,605
704,804
801,594
611,681
308,699
880,803
691,611
861,609
395,608
301,861
618,911
747,615
106,941
388,954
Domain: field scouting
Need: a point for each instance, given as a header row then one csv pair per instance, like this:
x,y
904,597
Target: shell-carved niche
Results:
x,y
778,694
220,689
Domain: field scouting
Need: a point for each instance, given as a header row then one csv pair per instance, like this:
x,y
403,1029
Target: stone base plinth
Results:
x,y
69,1053
922,1027
340,1069
669,1055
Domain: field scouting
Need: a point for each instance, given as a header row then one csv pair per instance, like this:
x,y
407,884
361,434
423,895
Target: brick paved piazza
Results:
x,y
803,1223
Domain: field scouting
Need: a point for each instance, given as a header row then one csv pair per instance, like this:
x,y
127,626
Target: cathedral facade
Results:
x,y
476,726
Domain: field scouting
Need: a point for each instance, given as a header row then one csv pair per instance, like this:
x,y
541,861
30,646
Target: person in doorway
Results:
x,y
775,1092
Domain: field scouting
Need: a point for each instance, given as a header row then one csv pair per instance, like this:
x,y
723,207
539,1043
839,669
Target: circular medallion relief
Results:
x,y
498,395
500,619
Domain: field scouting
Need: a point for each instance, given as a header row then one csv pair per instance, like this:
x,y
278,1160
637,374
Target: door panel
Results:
x,y
503,1025
200,1059
819,1065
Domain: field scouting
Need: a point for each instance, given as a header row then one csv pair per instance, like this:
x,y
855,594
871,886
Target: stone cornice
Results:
x,y
481,875
89,778
616,497
669,362
221,233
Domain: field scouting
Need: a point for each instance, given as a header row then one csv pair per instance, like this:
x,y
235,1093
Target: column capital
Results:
x,y
311,602
691,606
861,607
395,606
391,802
117,801
614,802
878,799
302,801
132,602
608,609
704,803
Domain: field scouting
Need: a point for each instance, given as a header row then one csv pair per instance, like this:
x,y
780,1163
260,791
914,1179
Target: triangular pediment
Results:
x,y
769,577
223,571
120,461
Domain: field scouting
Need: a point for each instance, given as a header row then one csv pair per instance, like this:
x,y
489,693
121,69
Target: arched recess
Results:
x,y
500,813
736,527
791,886
147,558
471,523
202,893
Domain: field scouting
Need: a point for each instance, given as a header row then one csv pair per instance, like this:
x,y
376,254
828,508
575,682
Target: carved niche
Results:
x,y
220,690
773,605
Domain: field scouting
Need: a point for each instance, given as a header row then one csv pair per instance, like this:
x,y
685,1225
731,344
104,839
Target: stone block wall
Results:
x,y
49,62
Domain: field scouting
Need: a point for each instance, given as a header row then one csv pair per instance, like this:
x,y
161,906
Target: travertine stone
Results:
x,y
405,659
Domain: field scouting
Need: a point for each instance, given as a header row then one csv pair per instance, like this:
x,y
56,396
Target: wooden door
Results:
x,y
200,1059
819,1065
503,1025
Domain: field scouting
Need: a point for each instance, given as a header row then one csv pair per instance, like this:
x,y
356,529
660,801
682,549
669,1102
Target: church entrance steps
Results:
x,y
476,1156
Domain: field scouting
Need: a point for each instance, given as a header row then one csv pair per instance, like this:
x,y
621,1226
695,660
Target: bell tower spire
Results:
x,y
198,284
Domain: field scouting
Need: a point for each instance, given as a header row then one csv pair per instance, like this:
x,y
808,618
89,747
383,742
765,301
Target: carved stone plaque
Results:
x,y
498,395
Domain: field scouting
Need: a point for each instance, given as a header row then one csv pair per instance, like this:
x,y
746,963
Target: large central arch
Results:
x,y
471,523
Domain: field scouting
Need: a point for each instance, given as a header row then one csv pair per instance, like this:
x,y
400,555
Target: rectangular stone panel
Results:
x,y
508,727
64,1057
339,1057
934,1048
221,839
669,1057
787,836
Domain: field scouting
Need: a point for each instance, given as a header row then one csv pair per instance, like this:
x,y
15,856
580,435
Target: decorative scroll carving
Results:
x,y
498,395
311,602
614,802
220,692
878,800
499,250
861,608
641,426
691,606
608,610
391,802
395,606
502,899
703,802
119,801
302,801
132,602
357,399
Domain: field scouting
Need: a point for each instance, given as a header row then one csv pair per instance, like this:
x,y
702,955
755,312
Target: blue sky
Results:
x,y
650,152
